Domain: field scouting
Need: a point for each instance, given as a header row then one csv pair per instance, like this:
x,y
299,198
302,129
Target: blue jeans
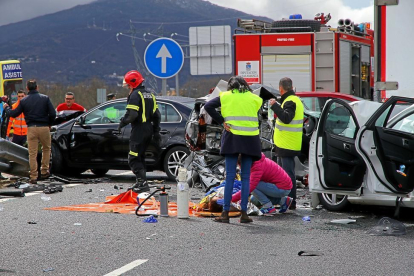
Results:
x,y
288,164
268,194
231,165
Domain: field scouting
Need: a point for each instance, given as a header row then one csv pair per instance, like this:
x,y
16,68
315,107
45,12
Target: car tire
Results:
x,y
57,162
336,204
174,159
99,172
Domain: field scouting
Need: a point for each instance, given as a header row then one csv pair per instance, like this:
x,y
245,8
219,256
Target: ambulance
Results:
x,y
11,79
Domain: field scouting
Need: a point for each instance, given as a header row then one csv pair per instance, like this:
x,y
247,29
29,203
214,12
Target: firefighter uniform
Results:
x,y
144,116
19,128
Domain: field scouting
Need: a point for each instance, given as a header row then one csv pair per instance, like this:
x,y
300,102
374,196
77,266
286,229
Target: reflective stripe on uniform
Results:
x,y
144,119
240,118
131,106
19,119
293,129
243,128
133,153
155,104
293,122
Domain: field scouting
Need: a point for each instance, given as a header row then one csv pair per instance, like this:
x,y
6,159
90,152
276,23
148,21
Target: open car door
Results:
x,y
335,165
386,142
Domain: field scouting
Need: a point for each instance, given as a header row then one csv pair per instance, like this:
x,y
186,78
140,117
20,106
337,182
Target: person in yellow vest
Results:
x,y
288,131
18,124
239,116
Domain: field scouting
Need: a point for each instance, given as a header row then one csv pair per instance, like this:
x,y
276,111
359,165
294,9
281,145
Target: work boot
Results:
x,y
245,218
224,217
140,187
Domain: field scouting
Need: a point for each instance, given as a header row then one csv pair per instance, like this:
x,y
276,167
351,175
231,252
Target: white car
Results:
x,y
363,153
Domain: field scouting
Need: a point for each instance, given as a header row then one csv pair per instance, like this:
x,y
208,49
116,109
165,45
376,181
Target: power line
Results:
x,y
187,22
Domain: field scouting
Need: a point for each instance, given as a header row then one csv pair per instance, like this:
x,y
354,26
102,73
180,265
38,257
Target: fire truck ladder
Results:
x,y
324,60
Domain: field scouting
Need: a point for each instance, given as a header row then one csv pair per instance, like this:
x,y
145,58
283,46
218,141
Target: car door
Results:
x,y
386,142
335,165
95,138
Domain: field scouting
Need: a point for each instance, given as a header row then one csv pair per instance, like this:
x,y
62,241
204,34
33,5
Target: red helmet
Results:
x,y
133,78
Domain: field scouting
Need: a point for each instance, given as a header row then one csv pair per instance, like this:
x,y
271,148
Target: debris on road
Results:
x,y
48,269
388,227
77,224
310,253
32,222
343,221
44,197
150,219
307,218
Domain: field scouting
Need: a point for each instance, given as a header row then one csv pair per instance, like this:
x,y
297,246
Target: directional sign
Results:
x,y
164,58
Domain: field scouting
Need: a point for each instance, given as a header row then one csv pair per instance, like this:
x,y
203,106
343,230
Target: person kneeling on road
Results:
x,y
143,115
269,185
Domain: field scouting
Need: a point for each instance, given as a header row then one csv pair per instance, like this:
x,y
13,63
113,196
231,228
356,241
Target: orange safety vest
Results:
x,y
18,123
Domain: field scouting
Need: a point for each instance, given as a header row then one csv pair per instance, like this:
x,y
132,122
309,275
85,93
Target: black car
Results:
x,y
92,141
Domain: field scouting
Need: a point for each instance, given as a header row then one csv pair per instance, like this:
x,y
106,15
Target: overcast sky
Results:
x,y
358,10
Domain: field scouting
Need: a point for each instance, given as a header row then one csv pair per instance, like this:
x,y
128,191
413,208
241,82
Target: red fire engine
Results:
x,y
315,56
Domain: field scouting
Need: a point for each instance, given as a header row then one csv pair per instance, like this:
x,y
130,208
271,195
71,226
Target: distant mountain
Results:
x,y
76,44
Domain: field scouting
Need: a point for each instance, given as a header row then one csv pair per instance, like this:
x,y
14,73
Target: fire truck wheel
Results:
x,y
296,25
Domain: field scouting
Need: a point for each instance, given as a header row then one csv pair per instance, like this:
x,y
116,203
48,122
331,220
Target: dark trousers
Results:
x,y
288,164
136,157
231,166
19,139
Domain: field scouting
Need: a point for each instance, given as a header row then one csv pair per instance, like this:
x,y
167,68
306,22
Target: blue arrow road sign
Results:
x,y
164,58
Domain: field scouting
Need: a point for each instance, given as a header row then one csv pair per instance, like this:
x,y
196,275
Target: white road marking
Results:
x,y
126,268
124,173
6,199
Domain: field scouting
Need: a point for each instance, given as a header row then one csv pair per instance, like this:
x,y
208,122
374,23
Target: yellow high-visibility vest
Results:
x,y
289,136
239,111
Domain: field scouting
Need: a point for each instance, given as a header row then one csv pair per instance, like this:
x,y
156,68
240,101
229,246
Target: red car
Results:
x,y
315,101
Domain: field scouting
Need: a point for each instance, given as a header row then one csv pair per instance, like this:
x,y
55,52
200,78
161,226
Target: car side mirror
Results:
x,y
80,121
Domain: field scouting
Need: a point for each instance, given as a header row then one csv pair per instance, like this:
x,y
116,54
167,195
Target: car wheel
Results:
x,y
334,202
174,159
56,164
99,172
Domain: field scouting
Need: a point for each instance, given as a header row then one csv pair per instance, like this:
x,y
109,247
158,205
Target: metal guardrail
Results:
x,y
14,159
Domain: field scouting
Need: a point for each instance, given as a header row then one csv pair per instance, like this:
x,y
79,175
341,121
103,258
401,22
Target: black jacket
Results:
x,y
37,109
134,114
286,115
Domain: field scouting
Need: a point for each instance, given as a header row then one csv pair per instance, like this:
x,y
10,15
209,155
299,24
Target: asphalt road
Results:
x,y
106,243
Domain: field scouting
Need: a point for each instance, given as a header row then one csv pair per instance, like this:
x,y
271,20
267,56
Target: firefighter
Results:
x,y
288,131
18,124
143,115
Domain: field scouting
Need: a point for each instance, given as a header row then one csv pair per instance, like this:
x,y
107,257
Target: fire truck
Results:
x,y
394,57
315,56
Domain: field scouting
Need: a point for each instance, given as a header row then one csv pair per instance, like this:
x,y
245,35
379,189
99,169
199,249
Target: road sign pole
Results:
x,y
177,88
164,87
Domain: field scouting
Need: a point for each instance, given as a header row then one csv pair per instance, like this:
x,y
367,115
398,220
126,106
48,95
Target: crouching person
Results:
x,y
269,185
